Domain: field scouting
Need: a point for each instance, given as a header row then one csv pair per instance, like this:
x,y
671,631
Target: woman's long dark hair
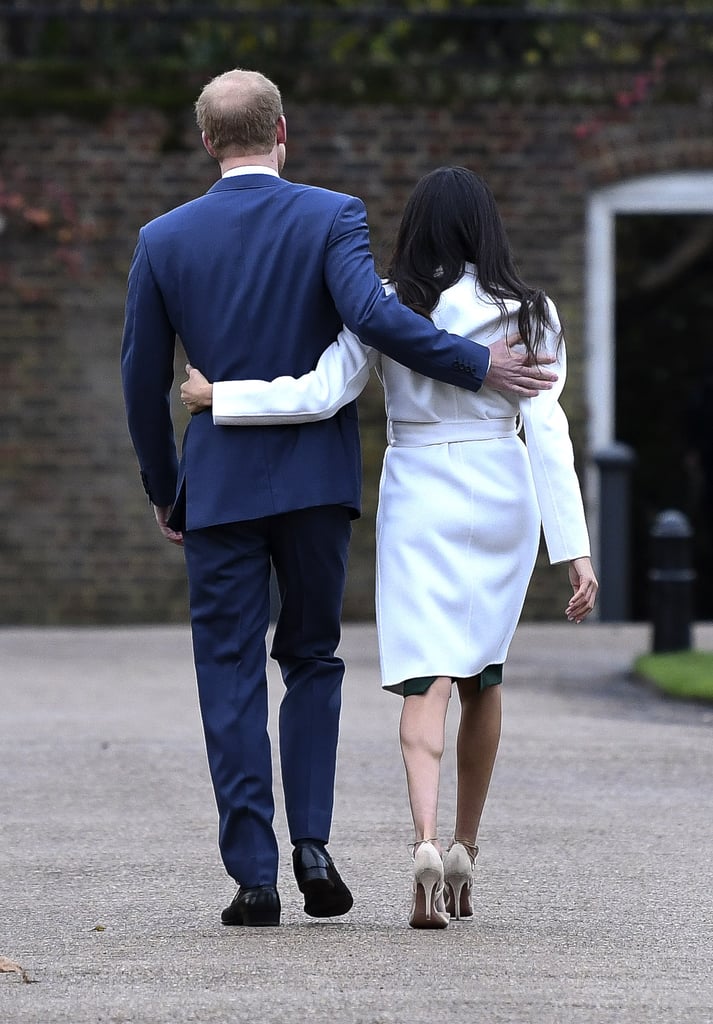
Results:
x,y
452,219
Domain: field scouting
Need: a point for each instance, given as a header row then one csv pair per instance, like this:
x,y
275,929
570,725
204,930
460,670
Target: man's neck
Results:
x,y
257,160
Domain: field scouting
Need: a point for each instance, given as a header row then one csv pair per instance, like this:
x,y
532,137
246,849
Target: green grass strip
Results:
x,y
687,674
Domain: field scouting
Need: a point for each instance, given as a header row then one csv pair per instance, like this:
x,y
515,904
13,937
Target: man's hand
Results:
x,y
196,392
162,513
517,374
585,586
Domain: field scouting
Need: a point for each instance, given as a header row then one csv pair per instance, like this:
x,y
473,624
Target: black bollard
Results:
x,y
671,579
615,464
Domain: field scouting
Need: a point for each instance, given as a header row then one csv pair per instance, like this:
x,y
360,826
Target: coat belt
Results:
x,y
403,434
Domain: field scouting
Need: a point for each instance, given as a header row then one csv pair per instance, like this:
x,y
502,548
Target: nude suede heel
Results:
x,y
459,868
428,909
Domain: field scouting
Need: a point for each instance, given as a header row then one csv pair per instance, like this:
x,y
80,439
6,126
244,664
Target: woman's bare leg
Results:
x,y
422,735
477,747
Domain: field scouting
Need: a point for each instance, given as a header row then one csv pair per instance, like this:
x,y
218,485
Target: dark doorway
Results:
x,y
664,383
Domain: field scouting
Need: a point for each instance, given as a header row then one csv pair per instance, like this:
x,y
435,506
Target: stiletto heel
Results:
x,y
459,868
428,909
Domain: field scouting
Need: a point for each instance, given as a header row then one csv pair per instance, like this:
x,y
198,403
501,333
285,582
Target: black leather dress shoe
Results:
x,y
325,893
256,908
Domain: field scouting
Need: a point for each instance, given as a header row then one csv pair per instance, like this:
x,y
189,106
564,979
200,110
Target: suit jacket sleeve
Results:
x,y
549,449
381,321
147,375
339,377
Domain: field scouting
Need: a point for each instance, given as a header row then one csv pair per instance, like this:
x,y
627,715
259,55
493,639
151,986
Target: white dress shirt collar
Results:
x,y
251,169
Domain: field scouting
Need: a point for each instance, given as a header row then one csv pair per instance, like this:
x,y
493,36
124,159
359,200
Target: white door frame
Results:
x,y
680,192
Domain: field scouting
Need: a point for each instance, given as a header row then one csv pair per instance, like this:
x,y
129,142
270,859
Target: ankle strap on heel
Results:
x,y
472,849
419,842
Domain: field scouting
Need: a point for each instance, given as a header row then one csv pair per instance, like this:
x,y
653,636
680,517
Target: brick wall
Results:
x,y
78,542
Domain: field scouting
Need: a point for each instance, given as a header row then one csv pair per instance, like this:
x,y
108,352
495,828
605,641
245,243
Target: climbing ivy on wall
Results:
x,y
95,53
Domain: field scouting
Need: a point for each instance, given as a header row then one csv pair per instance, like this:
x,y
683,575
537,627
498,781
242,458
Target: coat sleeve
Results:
x,y
339,377
147,375
381,321
549,449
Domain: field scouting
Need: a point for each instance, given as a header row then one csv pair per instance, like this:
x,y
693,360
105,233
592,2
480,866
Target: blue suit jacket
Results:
x,y
256,277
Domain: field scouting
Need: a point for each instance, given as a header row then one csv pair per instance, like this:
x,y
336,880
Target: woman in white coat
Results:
x,y
461,503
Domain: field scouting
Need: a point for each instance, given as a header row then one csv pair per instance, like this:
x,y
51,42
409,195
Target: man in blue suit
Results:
x,y
256,278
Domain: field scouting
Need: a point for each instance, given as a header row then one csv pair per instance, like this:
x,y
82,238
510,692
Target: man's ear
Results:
x,y
208,145
281,130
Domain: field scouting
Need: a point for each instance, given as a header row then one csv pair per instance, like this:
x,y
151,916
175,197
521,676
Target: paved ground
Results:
x,y
594,895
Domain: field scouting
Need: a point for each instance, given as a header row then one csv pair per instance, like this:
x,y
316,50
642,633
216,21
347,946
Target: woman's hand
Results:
x,y
585,586
196,392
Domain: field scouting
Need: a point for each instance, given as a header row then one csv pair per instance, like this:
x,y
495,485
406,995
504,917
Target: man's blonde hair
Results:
x,y
238,111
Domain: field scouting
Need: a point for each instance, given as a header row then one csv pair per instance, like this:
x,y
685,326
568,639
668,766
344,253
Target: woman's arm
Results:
x,y
339,377
549,448
559,495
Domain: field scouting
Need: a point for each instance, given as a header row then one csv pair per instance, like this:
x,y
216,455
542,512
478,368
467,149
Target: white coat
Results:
x,y
462,498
